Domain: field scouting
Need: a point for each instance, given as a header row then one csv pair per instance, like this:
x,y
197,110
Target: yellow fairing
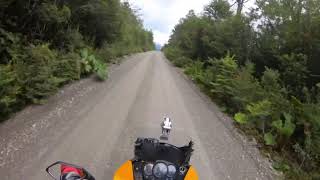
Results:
x,y
125,172
191,174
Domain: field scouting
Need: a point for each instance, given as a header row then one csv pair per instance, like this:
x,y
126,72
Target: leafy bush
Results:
x,y
224,70
9,44
284,123
35,73
67,67
102,71
294,72
196,71
70,40
241,118
269,139
286,127
172,53
110,52
181,61
311,128
276,97
90,64
9,90
51,14
246,89
42,45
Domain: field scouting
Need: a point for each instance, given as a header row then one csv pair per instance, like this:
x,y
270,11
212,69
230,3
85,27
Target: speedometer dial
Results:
x,y
148,169
171,171
160,170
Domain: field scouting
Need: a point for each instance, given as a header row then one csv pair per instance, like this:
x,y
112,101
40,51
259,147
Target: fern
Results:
x,y
260,109
269,139
241,118
285,128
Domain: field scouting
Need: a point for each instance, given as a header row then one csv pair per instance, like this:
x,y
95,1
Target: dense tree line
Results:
x,y
47,43
263,67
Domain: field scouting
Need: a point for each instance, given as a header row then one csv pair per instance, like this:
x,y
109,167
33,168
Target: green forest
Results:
x,y
45,44
261,66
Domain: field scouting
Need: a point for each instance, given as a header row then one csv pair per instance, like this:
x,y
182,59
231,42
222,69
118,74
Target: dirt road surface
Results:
x,y
95,125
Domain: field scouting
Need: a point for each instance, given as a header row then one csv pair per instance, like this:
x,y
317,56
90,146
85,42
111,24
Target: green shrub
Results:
x,y
195,71
264,105
181,61
9,90
89,64
270,81
279,119
109,52
285,127
67,67
269,139
246,89
35,73
294,72
276,97
70,40
9,45
241,118
172,53
199,74
50,14
260,114
224,71
260,109
311,127
102,71
44,48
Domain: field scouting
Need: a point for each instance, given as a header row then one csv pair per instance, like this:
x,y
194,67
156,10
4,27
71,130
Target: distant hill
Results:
x,y
158,47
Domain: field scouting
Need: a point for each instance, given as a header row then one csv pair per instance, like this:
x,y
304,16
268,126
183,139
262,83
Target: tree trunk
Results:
x,y
240,6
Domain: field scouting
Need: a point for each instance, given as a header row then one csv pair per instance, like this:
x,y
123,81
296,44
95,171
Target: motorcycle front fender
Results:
x,y
125,172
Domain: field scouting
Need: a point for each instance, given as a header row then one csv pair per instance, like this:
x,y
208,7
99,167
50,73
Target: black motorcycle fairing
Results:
x,y
152,150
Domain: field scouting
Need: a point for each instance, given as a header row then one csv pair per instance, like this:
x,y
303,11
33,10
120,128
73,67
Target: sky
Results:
x,y
161,16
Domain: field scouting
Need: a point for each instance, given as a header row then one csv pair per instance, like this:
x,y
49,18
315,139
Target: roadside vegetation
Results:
x,y
45,44
263,68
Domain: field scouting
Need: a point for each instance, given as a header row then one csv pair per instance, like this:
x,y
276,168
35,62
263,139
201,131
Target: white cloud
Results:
x,y
162,15
160,37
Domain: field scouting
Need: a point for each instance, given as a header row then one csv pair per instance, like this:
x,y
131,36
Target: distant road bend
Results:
x,y
95,125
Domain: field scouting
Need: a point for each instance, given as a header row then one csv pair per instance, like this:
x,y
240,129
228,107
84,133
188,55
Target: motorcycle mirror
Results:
x,y
54,170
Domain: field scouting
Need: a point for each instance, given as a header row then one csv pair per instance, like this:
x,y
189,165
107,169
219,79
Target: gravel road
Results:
x,y
95,125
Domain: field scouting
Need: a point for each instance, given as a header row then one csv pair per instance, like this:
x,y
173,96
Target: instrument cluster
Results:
x,y
160,170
